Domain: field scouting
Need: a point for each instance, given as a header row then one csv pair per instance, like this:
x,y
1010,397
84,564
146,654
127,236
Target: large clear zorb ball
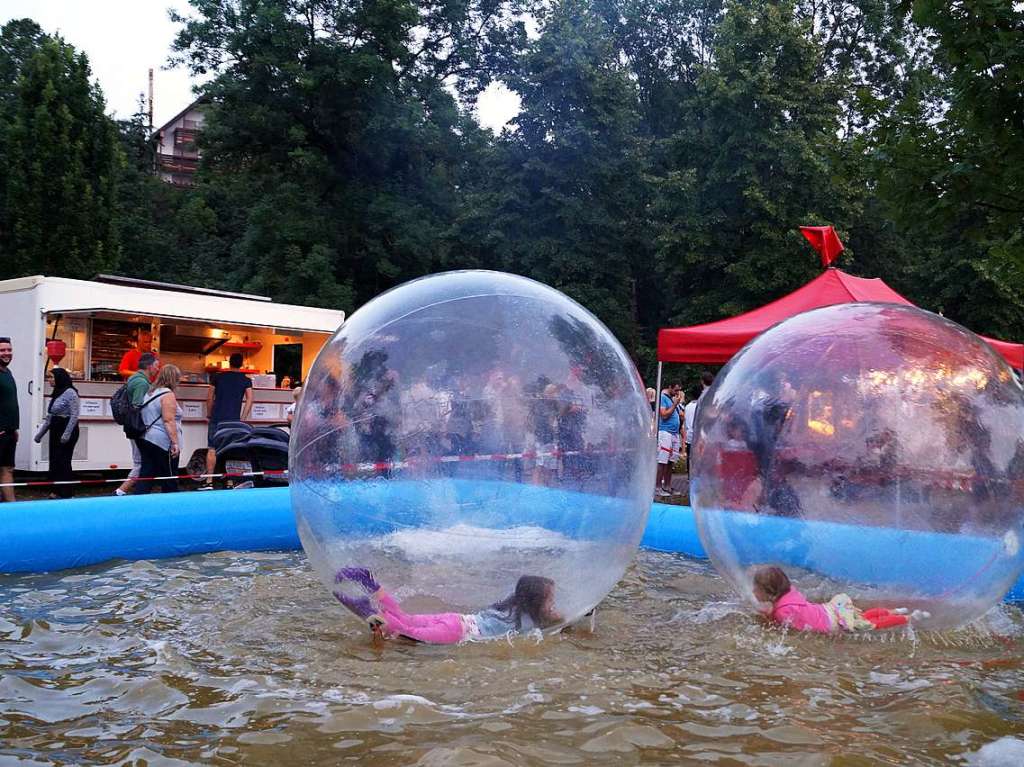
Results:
x,y
468,428
871,449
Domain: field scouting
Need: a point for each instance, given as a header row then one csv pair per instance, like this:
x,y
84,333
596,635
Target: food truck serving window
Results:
x,y
95,345
111,339
97,341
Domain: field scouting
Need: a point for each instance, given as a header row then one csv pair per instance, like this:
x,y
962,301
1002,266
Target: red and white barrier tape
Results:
x,y
347,467
121,480
410,463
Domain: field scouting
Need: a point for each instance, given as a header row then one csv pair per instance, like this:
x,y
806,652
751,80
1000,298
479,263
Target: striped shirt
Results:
x,y
65,406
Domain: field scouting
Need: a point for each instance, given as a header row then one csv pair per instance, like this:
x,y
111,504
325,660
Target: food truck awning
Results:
x,y
64,296
716,342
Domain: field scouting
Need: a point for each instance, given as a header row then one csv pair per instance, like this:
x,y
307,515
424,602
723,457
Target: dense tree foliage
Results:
x,y
664,154
60,157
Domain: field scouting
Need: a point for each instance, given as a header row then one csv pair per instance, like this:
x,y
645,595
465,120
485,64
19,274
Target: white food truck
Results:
x,y
194,328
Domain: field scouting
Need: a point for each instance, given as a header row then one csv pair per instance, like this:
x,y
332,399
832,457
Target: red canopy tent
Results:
x,y
715,343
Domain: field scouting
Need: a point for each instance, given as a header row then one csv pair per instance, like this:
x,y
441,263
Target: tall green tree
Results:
x,y
944,162
19,40
755,157
666,46
62,160
565,199
333,124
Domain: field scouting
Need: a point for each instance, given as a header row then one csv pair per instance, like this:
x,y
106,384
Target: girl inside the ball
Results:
x,y
530,606
791,608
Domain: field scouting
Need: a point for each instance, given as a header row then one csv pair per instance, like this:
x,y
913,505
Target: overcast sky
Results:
x,y
125,38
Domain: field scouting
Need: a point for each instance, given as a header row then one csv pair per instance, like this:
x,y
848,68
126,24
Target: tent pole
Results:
x,y
657,394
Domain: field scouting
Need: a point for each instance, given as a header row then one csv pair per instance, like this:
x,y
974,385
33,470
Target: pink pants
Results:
x,y
883,619
437,628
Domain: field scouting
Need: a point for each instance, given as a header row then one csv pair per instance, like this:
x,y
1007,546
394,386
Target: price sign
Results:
x,y
91,407
265,411
192,409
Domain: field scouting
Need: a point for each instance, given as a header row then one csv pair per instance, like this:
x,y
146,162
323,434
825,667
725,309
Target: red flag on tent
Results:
x,y
824,240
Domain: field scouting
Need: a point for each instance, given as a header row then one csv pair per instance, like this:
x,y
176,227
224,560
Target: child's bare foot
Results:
x,y
377,627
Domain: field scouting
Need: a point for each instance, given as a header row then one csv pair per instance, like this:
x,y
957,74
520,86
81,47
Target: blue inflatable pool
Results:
x,y
54,535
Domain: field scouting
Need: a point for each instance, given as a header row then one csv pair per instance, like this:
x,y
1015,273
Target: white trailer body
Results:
x,y
29,304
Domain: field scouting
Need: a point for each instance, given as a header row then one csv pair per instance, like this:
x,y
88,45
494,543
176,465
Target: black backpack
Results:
x,y
129,415
120,404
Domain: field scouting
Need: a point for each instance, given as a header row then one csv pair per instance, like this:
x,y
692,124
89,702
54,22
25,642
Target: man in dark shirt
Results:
x,y
10,419
229,399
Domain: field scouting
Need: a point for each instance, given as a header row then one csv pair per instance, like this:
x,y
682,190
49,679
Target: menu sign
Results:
x,y
91,407
265,411
192,410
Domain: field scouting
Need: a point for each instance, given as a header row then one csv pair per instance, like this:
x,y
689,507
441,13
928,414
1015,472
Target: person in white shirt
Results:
x,y
689,413
290,410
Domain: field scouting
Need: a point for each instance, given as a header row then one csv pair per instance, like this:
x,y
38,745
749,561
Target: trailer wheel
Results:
x,y
196,465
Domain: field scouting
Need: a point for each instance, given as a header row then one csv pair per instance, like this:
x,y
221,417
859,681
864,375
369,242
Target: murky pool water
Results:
x,y
243,659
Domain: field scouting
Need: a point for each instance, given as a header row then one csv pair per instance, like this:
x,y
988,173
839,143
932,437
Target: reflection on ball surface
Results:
x,y
468,428
871,449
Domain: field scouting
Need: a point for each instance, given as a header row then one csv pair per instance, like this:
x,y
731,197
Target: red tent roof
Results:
x,y
716,342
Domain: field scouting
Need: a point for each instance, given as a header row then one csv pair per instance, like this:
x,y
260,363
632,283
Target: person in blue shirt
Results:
x,y
668,437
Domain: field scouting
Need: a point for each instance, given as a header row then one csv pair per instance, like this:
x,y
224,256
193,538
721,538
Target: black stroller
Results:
x,y
260,450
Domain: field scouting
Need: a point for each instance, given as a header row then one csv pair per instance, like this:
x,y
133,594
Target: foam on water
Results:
x,y
474,542
1005,752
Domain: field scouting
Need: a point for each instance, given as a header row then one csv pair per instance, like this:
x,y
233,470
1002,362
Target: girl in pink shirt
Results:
x,y
791,608
530,606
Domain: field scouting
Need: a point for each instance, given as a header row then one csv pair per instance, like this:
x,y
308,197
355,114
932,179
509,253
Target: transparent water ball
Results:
x,y
871,449
468,428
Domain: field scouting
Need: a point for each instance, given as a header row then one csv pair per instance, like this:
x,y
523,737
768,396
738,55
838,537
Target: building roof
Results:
x,y
193,105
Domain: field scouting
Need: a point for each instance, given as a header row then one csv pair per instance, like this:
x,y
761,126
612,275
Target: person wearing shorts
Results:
x,y
668,438
10,420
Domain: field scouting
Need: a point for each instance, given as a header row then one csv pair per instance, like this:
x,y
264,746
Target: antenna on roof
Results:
x,y
151,99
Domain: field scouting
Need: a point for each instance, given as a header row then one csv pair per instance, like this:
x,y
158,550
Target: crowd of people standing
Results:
x,y
152,389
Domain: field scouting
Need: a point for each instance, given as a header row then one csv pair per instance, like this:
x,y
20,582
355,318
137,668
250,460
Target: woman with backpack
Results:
x,y
62,423
160,444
